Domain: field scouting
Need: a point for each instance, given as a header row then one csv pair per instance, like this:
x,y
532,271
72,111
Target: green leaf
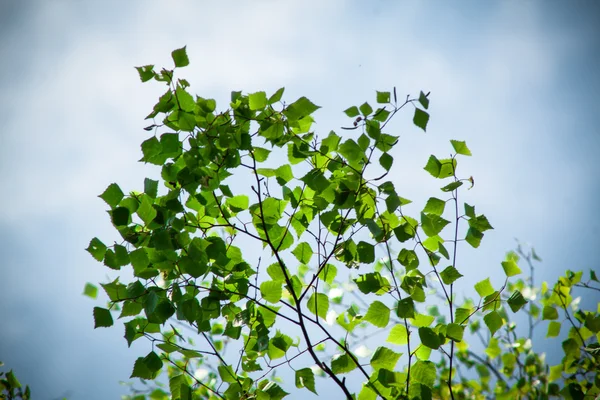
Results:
x,y
276,96
424,372
351,151
261,154
433,166
421,118
450,275
378,314
484,287
516,301
300,108
97,249
237,203
102,318
90,290
386,161
383,97
432,224
275,272
153,362
140,370
549,312
460,147
180,57
406,308
455,332
553,329
384,358
452,186
469,211
352,111
257,101
494,321
342,364
366,109
372,282
151,187
120,216
112,195
409,259
328,273
271,291
388,379
510,268
429,338
434,206
480,223
366,252
424,100
303,252
398,335
226,373
474,237
305,378
318,304
146,72
284,174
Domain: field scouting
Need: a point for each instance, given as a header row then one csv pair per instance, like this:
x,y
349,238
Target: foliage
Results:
x,y
11,388
263,244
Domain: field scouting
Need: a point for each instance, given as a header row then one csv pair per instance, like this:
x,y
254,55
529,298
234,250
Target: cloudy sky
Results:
x,y
517,80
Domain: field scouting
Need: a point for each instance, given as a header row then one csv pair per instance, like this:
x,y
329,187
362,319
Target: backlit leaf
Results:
x,y
180,57
460,147
378,314
305,377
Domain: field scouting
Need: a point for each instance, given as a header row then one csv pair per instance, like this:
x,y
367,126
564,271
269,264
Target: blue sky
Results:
x,y
517,80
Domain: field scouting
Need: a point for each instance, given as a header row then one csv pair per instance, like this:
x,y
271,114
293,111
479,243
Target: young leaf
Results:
x,y
318,304
434,206
271,291
303,252
494,321
549,312
398,335
342,364
140,370
378,314
406,308
384,358
455,332
511,268
102,318
352,111
553,329
386,161
424,100
90,290
257,101
460,147
484,287
97,249
383,97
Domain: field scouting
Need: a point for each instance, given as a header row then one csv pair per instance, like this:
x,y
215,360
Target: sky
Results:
x,y
517,81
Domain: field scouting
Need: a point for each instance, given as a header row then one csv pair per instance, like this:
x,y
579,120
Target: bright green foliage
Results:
x,y
11,388
279,246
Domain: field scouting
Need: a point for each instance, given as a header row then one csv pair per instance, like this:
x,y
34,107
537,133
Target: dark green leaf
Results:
x,y
516,301
421,118
372,282
474,237
102,318
140,370
386,161
406,308
409,259
146,72
429,338
424,100
366,252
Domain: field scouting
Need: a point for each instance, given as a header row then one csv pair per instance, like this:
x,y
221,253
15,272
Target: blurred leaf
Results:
x,y
421,118
90,290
